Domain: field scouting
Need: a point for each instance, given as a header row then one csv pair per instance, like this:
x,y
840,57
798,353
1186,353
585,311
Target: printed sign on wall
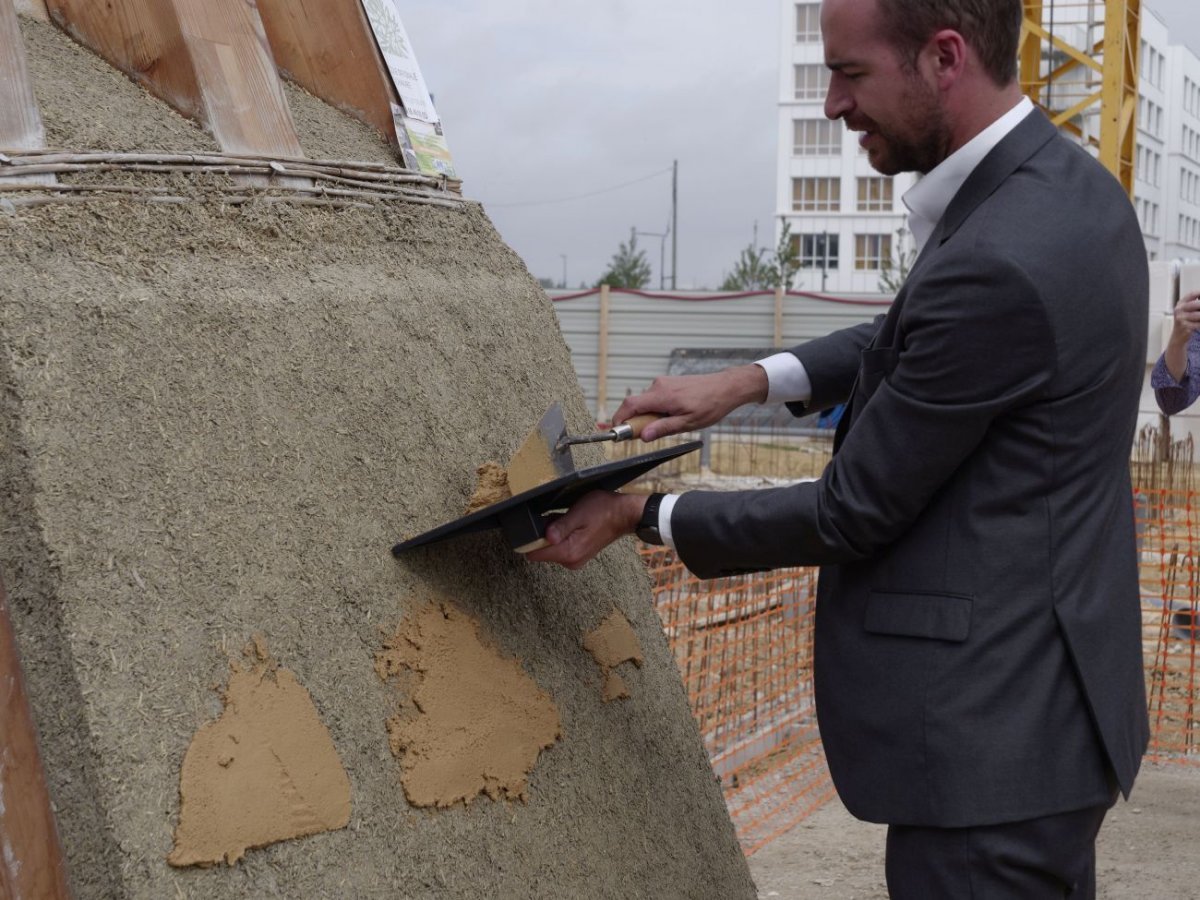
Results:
x,y
418,127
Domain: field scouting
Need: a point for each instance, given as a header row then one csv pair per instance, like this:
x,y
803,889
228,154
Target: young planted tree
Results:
x,y
758,269
787,258
628,268
751,272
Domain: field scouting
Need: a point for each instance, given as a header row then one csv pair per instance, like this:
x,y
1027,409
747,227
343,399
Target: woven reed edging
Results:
x,y
306,182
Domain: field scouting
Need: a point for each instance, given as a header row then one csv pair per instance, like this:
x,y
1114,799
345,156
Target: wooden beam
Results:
x,y
31,863
20,121
777,337
207,58
326,47
602,356
244,99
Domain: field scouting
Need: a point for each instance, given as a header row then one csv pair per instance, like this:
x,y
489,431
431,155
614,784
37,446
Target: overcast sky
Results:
x,y
547,100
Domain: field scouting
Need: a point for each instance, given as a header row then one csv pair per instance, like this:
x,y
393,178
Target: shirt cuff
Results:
x,y
664,519
787,379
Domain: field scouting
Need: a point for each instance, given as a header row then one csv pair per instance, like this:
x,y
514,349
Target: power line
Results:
x,y
607,190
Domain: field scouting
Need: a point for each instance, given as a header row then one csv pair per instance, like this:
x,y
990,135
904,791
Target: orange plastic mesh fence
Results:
x,y
1167,506
744,650
1169,528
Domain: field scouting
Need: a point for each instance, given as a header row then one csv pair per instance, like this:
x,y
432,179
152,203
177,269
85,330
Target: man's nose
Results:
x,y
837,101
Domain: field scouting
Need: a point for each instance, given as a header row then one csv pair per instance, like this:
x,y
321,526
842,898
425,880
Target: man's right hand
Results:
x,y
692,402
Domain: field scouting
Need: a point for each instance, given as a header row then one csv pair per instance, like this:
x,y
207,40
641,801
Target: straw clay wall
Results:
x,y
216,421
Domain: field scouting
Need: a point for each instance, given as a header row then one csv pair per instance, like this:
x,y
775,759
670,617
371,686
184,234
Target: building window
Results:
x,y
816,194
874,195
1153,65
812,81
871,251
817,251
808,22
1150,117
816,137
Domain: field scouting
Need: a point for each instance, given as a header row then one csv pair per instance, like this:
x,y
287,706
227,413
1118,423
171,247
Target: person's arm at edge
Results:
x,y
1174,387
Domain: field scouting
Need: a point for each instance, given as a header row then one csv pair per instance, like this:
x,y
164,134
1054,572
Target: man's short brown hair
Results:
x,y
991,27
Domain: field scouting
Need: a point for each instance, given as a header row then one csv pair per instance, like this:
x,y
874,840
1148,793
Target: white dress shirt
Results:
x,y
926,201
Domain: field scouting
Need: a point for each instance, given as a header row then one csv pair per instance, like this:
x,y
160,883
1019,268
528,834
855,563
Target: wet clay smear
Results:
x,y
480,722
491,486
265,771
532,464
611,643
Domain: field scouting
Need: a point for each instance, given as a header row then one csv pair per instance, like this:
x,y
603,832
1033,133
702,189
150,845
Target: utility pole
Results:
x,y
674,222
564,259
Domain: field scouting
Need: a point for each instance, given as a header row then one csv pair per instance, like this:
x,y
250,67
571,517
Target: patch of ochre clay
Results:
x,y
265,771
491,486
611,643
480,720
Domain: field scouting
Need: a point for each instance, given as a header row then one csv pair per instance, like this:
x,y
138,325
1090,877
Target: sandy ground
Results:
x,y
1147,848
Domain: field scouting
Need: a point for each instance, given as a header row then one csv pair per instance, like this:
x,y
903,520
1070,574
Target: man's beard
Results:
x,y
927,142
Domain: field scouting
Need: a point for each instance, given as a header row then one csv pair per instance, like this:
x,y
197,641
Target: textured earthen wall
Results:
x,y
216,421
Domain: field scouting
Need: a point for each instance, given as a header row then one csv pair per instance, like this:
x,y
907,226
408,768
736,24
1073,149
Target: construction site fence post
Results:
x,y
602,356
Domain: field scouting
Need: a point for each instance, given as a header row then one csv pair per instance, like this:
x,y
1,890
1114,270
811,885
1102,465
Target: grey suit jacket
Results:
x,y
977,650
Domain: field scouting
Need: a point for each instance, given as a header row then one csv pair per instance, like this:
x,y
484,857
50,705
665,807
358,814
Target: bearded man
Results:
x,y
978,663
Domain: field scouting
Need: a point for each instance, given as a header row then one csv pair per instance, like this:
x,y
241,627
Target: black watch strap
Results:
x,y
647,527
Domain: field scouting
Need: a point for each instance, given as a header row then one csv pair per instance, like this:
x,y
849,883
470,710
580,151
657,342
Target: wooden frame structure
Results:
x,y
215,61
1103,73
207,58
327,47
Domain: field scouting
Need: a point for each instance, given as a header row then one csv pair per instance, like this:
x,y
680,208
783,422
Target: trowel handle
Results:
x,y
632,428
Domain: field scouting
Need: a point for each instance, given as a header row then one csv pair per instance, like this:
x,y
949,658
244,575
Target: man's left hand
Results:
x,y
589,526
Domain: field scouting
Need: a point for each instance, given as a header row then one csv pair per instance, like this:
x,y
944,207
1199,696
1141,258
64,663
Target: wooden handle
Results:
x,y
638,423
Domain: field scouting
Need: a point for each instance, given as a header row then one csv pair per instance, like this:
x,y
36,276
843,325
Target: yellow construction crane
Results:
x,y
1079,62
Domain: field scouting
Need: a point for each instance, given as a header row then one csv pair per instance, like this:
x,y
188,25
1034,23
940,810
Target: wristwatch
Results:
x,y
647,526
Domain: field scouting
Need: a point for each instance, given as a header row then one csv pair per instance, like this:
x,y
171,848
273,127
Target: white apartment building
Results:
x,y
847,219
1179,230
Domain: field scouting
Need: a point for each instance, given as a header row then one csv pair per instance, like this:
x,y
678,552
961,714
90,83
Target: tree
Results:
x,y
547,283
751,272
628,268
787,258
894,270
758,269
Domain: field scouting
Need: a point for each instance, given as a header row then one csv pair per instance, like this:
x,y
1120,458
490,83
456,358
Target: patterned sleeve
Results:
x,y
1174,396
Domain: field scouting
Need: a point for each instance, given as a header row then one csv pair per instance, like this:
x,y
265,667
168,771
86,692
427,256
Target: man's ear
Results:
x,y
944,57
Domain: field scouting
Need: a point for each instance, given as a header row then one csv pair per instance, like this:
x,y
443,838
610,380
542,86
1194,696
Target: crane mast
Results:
x,y
1079,62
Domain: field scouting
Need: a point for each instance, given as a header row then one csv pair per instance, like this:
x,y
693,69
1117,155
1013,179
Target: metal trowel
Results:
x,y
545,454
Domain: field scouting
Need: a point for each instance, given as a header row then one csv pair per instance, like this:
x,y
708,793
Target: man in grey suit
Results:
x,y
978,653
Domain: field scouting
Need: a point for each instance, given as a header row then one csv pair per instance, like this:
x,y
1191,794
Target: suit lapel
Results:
x,y
1033,132
1030,135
